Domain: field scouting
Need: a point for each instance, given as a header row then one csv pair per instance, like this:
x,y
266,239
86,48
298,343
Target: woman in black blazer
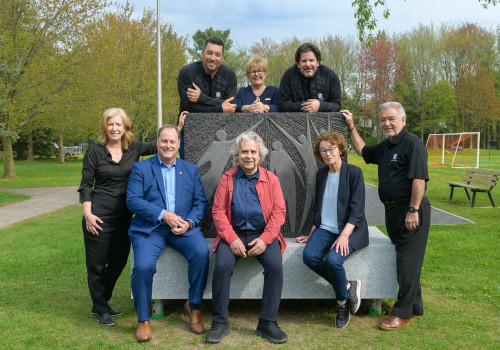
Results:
x,y
340,226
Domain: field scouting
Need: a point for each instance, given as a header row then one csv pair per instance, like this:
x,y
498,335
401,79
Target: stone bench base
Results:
x,y
374,265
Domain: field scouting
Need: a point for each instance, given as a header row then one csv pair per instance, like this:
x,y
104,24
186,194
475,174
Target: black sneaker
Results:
x,y
112,312
354,296
271,331
105,319
217,332
342,318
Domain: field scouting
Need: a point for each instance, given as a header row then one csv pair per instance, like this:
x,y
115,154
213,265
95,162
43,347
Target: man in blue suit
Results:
x,y
167,197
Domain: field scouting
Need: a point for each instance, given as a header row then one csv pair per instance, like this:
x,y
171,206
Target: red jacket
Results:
x,y
271,201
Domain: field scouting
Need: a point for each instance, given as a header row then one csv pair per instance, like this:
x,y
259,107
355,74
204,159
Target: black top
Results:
x,y
213,91
296,89
399,162
102,175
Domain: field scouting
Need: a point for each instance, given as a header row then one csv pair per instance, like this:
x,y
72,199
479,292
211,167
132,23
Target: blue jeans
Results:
x,y
331,266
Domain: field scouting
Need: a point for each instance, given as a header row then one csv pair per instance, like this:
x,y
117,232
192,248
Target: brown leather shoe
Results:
x,y
389,308
143,332
392,323
195,319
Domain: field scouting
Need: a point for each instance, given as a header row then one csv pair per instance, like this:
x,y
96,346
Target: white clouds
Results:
x,y
250,21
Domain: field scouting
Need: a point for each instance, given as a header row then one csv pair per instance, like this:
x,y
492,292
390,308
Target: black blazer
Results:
x,y
350,202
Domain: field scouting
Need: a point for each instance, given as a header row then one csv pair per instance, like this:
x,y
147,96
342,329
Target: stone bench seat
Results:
x,y
374,265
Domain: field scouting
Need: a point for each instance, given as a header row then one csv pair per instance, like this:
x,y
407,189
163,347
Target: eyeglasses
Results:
x,y
256,72
326,150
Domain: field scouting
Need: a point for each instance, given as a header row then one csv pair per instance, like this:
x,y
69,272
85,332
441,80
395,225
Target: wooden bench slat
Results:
x,y
483,171
481,176
472,187
479,181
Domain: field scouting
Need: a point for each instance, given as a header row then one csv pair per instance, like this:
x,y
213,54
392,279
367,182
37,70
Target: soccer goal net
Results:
x,y
457,150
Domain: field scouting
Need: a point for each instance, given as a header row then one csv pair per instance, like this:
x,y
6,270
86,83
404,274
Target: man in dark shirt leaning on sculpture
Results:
x,y
309,86
207,86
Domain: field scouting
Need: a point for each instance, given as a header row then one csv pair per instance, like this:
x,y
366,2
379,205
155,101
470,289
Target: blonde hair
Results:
x,y
257,62
127,137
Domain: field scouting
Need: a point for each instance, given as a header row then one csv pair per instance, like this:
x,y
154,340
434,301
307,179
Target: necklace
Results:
x,y
258,92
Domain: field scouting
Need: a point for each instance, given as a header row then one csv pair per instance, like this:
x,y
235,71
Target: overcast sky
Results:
x,y
250,21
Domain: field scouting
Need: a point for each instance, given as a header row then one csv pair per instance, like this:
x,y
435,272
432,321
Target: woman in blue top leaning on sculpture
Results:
x,y
340,225
257,97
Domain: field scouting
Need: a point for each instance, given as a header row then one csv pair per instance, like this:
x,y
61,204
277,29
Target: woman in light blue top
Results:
x,y
339,222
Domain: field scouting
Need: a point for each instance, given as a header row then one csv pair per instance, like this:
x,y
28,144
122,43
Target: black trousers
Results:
x,y
106,254
410,250
225,261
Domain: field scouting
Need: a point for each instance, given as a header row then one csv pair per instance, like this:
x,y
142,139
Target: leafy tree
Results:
x,y
280,56
440,103
477,100
366,20
340,54
468,43
32,34
120,71
380,68
422,56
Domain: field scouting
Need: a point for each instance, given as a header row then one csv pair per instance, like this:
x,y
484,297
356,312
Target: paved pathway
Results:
x,y
44,200
375,211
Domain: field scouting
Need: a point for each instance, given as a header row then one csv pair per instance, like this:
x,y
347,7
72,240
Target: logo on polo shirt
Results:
x,y
218,94
320,96
394,157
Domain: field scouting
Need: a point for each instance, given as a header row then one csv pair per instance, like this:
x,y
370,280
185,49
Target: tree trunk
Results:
x,y
422,127
9,170
486,137
30,148
376,128
61,149
498,135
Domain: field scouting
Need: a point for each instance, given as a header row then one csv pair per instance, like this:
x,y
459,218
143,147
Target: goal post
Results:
x,y
457,150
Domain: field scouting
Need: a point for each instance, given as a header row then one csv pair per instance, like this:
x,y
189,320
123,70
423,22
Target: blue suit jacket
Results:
x,y
146,196
350,202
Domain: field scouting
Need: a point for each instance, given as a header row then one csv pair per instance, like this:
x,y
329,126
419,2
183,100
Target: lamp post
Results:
x,y
158,68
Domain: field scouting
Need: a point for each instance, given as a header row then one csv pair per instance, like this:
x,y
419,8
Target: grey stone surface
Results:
x,y
289,138
375,266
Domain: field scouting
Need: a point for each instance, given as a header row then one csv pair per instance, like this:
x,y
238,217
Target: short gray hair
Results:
x,y
248,136
395,105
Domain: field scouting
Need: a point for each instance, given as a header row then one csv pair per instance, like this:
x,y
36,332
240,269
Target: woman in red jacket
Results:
x,y
248,212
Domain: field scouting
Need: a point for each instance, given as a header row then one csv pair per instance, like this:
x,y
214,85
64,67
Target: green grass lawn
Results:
x,y
45,304
44,301
9,198
43,173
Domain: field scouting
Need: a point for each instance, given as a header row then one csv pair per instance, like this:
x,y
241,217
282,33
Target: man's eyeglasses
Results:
x,y
326,150
256,72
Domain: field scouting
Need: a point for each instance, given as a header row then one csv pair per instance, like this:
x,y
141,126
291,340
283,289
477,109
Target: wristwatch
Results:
x,y
191,223
413,210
